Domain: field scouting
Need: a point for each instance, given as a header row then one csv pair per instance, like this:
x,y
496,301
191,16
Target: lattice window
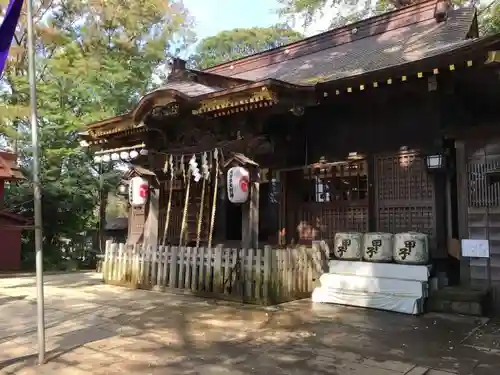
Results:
x,y
343,181
481,192
336,200
404,193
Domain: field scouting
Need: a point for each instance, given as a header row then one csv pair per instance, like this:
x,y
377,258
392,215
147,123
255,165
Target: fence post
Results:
x,y
153,259
194,268
142,263
187,271
219,250
268,271
113,247
164,261
159,266
258,275
105,262
173,267
137,265
121,265
128,265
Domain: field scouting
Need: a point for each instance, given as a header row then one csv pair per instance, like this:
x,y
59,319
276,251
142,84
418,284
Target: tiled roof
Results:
x,y
117,223
342,53
190,89
396,38
192,83
13,217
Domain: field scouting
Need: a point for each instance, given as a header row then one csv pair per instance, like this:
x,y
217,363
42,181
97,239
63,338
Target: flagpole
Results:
x,y
36,186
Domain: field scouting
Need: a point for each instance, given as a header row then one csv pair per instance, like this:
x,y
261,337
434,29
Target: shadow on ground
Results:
x,y
137,332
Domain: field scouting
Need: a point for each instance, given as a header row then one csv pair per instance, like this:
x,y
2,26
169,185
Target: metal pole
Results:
x,y
36,186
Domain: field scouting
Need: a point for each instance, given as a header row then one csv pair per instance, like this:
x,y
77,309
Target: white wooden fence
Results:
x,y
250,275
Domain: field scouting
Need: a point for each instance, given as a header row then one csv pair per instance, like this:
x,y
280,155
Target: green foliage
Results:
x,y
94,60
117,206
489,18
342,12
233,44
306,12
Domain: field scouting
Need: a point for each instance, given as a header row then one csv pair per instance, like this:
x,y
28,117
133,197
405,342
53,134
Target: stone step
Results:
x,y
459,300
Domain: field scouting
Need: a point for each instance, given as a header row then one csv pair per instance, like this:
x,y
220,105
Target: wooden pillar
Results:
x,y
246,241
294,183
372,195
254,213
220,225
151,225
250,212
462,202
136,221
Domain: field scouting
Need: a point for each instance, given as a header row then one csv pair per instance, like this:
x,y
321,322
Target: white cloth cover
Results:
x,y
387,286
386,270
374,285
401,304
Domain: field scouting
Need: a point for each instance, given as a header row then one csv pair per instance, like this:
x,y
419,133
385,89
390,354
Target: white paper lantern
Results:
x,y
238,184
138,190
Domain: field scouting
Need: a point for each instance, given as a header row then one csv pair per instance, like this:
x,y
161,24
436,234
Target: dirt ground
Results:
x,y
101,329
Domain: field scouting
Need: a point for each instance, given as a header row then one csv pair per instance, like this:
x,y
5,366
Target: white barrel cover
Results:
x,y
238,180
377,247
348,245
411,248
138,191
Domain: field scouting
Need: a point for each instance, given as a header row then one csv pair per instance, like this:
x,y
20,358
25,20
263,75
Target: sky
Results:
x,y
214,16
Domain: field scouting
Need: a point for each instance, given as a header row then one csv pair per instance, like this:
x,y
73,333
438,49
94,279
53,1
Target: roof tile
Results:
x,y
395,47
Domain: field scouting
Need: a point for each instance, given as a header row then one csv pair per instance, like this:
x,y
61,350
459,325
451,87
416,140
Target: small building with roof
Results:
x,y
11,225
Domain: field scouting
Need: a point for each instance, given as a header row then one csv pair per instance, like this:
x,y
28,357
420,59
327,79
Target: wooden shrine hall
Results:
x,y
355,129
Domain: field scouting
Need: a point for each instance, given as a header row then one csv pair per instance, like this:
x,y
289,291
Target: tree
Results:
x,y
94,60
342,12
489,18
233,44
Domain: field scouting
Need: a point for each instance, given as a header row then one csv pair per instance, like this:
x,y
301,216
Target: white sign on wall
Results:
x,y
476,248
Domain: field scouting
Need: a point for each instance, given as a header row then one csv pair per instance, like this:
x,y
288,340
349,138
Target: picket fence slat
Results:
x,y
173,267
258,275
253,275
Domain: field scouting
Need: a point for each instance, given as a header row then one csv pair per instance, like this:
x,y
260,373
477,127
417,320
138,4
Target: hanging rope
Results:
x,y
169,167
214,200
186,201
204,166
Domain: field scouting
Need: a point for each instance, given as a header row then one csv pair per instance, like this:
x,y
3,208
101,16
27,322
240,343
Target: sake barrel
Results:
x,y
411,248
377,247
348,245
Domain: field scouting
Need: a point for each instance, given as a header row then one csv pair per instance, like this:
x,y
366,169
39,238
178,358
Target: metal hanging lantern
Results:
x,y
435,162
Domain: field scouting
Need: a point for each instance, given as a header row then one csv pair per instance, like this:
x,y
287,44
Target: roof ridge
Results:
x,y
229,68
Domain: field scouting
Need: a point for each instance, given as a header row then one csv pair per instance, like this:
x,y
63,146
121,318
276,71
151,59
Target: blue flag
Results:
x,y
7,30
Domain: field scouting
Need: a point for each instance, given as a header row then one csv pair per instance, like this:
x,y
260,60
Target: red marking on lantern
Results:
x,y
143,190
244,184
